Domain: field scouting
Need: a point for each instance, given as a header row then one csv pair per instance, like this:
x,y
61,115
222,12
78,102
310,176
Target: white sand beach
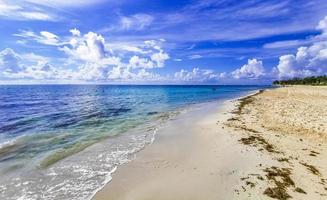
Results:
x,y
271,145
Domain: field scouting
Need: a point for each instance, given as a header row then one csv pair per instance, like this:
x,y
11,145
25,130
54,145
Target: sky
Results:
x,y
161,41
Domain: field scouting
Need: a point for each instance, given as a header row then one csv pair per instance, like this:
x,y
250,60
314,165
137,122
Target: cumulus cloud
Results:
x,y
90,47
28,66
252,70
123,74
322,25
160,58
156,56
197,75
9,61
75,32
137,62
308,61
32,57
91,57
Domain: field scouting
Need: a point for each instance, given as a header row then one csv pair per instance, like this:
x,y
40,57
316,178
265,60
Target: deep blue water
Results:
x,y
46,123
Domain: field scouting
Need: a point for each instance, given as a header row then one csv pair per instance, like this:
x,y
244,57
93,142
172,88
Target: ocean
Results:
x,y
64,141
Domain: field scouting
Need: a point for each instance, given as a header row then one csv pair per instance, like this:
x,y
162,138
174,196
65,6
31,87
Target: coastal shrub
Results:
x,y
312,80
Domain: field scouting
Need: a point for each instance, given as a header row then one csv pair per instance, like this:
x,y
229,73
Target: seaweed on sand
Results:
x,y
282,180
277,193
299,190
311,168
314,153
283,160
245,101
254,140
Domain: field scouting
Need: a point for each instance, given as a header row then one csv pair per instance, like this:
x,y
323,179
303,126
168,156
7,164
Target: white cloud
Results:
x,y
137,62
322,25
91,57
123,74
154,44
49,38
196,56
7,9
9,61
197,75
44,37
92,72
135,22
90,48
40,10
75,32
308,61
160,58
32,57
252,70
36,16
286,44
94,59
27,66
19,11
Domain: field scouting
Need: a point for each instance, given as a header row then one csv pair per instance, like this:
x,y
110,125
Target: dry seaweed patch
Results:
x,y
242,103
248,129
299,190
258,176
233,119
255,140
249,183
283,160
314,153
277,193
281,179
245,101
311,168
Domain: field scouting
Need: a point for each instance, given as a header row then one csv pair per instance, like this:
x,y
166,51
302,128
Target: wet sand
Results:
x,y
234,150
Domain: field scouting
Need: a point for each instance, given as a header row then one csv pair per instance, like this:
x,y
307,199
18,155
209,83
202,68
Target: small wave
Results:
x,y
16,125
20,104
153,113
63,153
10,149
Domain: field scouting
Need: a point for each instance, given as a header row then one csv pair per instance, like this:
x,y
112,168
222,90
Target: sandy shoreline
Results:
x,y
223,152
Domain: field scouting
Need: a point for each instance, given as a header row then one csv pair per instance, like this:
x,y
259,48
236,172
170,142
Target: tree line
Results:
x,y
312,80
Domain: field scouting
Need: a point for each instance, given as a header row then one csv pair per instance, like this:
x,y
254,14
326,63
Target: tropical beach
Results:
x,y
270,144
163,100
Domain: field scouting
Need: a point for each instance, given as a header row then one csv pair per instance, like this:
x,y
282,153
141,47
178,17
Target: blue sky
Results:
x,y
161,42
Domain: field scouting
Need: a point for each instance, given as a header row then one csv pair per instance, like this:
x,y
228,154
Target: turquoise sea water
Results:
x,y
62,141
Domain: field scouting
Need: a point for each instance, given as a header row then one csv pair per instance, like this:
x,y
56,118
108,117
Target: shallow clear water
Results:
x,y
62,141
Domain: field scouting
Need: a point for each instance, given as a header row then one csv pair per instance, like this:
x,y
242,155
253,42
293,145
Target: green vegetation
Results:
x,y
312,80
